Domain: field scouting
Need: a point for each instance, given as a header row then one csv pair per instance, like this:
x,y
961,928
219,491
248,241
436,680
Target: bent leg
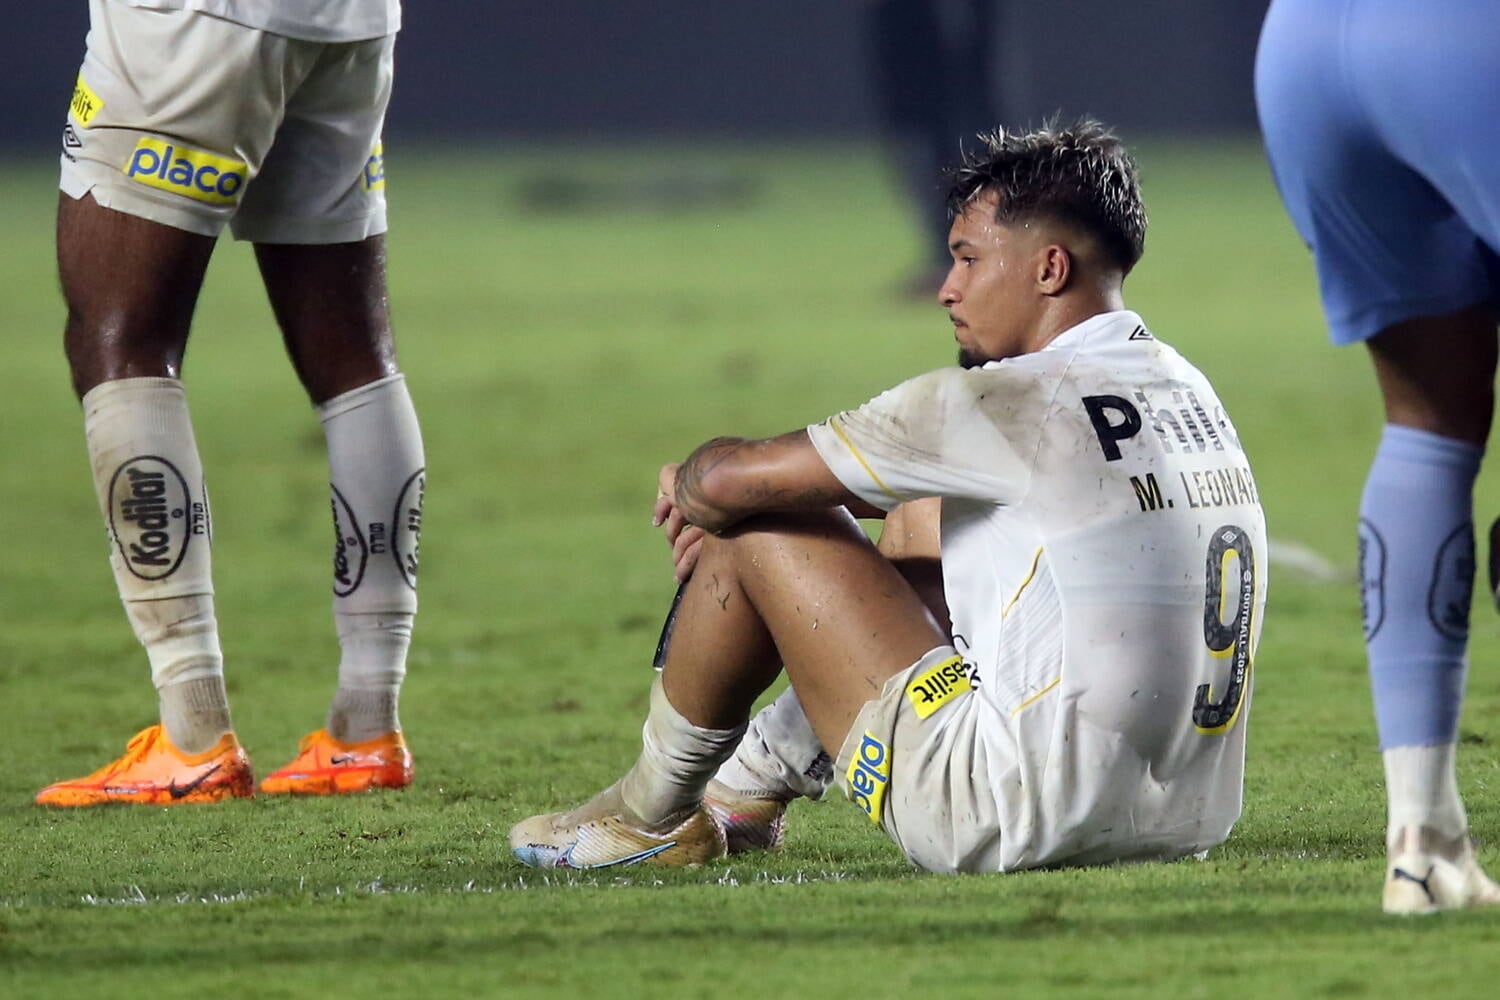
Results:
x,y
781,757
806,591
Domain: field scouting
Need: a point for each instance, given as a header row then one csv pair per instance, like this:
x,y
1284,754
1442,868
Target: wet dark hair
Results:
x,y
1079,173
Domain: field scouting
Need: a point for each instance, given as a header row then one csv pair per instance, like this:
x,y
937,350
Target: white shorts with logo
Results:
x,y
924,779
961,788
193,121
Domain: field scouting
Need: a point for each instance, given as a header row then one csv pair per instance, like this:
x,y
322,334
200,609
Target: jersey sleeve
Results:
x,y
941,434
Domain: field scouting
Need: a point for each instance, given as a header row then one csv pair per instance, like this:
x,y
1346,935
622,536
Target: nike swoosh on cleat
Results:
x,y
565,860
178,791
343,759
1402,873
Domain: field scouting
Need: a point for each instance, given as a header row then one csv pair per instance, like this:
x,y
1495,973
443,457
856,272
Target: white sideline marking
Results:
x,y
134,895
1308,563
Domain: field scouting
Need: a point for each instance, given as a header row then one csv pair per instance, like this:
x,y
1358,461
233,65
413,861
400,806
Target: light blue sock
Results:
x,y
1416,554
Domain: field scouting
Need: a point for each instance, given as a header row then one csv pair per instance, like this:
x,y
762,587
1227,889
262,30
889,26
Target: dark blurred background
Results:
x,y
560,69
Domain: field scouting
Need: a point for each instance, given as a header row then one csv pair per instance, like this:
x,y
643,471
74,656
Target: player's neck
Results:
x,y
1066,311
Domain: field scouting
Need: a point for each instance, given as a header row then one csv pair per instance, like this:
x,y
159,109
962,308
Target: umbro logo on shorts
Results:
x,y
192,173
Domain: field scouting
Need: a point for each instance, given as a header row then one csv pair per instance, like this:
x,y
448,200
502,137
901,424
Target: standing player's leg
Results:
x,y
1401,269
808,591
130,286
317,216
1437,378
330,301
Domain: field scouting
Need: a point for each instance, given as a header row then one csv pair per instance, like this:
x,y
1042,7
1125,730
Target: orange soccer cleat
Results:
x,y
154,772
324,766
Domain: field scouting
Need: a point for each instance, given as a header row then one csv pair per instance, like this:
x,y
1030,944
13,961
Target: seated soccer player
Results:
x,y
1102,554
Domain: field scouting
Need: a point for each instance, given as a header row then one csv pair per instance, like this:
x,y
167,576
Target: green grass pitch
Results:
x,y
557,357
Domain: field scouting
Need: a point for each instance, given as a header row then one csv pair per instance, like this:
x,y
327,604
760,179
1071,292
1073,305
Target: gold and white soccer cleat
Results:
x,y
603,833
1428,872
752,820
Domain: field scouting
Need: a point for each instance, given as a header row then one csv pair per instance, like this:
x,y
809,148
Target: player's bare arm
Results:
x,y
727,480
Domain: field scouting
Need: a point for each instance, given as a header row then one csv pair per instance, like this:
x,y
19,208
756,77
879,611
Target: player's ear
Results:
x,y
1054,269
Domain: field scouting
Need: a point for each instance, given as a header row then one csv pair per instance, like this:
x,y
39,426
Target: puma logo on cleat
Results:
x,y
1402,873
178,791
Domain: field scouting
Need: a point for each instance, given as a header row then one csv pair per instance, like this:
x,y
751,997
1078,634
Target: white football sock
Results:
x,y
677,760
149,482
780,754
1422,790
376,468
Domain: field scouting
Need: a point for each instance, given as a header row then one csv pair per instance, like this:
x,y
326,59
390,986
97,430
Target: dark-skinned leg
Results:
x,y
330,302
131,286
1436,375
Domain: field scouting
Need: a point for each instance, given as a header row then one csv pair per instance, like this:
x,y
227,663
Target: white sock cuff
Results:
x,y
780,753
1421,785
361,396
671,723
676,762
107,393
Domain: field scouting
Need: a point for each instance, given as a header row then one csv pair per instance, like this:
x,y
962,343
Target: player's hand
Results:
x,y
666,489
685,539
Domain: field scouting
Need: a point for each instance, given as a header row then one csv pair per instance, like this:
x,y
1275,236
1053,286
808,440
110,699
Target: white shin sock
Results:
x,y
676,762
1422,790
378,479
149,481
780,754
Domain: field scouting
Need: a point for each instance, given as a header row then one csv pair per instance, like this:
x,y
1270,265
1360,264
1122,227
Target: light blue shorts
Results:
x,y
1382,122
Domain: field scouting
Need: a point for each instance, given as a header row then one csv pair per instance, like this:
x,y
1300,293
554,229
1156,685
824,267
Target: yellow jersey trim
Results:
x,y
1036,561
858,457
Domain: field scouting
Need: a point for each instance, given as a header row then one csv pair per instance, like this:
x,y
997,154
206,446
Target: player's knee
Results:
x,y
764,539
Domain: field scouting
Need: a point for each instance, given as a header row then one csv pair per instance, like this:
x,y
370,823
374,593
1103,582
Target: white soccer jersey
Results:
x,y
312,20
1104,560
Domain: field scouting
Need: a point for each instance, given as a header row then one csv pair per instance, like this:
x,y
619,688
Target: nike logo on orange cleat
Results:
x,y
178,791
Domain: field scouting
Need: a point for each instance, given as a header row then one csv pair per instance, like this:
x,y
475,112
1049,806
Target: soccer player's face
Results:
x,y
989,292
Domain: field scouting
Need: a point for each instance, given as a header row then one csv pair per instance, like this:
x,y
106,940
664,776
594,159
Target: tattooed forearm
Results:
x,y
691,497
765,496
728,479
